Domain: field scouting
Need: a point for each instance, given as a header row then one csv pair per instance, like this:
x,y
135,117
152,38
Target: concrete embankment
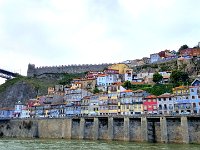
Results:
x,y
180,129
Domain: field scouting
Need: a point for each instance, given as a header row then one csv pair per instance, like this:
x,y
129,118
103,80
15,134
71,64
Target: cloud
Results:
x,y
61,32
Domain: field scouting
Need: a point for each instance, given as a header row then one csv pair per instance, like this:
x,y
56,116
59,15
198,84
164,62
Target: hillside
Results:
x,y
191,66
22,88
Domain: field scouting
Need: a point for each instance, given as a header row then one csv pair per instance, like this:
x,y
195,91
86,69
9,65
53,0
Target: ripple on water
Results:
x,y
55,144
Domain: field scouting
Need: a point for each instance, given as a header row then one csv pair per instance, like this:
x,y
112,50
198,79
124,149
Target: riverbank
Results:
x,y
170,129
38,144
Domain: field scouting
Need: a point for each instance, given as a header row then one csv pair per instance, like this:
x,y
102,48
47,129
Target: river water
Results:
x,y
49,144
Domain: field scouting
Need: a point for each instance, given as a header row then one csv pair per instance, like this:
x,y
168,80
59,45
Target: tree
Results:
x,y
178,77
96,90
157,77
182,48
127,85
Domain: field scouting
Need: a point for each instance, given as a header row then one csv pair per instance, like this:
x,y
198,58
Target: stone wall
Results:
x,y
174,130
19,128
103,128
135,129
88,131
53,128
118,129
194,130
37,71
147,129
75,128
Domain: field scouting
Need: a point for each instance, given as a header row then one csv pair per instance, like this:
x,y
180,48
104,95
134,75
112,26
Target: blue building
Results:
x,y
196,82
194,99
6,112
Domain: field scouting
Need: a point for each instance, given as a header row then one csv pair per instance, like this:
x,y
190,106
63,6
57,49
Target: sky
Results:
x,y
62,32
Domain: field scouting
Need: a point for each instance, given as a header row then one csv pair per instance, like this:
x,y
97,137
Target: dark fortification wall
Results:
x,y
36,71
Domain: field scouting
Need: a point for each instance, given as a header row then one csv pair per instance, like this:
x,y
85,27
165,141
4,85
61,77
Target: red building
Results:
x,y
93,74
190,52
150,105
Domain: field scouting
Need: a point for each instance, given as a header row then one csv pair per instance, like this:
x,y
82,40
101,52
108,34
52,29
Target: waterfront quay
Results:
x,y
141,128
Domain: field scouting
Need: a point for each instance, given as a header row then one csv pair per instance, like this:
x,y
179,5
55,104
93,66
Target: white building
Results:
x,y
154,58
21,111
165,103
128,76
105,80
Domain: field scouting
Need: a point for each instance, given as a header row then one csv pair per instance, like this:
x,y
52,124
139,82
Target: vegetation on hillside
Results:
x,y
178,78
157,77
156,89
9,83
67,78
40,85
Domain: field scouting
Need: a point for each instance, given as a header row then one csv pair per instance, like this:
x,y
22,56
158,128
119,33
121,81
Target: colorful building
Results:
x,y
113,104
128,76
121,67
154,57
138,96
104,80
85,106
165,104
150,104
6,112
182,103
195,99
94,105
103,104
126,102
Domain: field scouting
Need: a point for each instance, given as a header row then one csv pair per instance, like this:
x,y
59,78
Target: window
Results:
x,y
193,97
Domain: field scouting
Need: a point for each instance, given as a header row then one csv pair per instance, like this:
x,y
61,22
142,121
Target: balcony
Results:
x,y
112,103
137,103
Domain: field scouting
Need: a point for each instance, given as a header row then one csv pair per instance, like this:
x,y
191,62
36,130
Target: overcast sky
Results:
x,y
61,32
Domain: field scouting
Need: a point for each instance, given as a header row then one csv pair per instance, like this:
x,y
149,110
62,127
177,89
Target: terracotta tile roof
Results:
x,y
7,108
137,83
117,83
137,91
165,95
77,83
193,86
127,91
151,96
102,75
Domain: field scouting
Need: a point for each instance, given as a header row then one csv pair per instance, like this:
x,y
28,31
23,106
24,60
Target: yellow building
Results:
x,y
85,106
113,101
138,96
181,90
103,104
88,84
51,91
126,107
121,67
